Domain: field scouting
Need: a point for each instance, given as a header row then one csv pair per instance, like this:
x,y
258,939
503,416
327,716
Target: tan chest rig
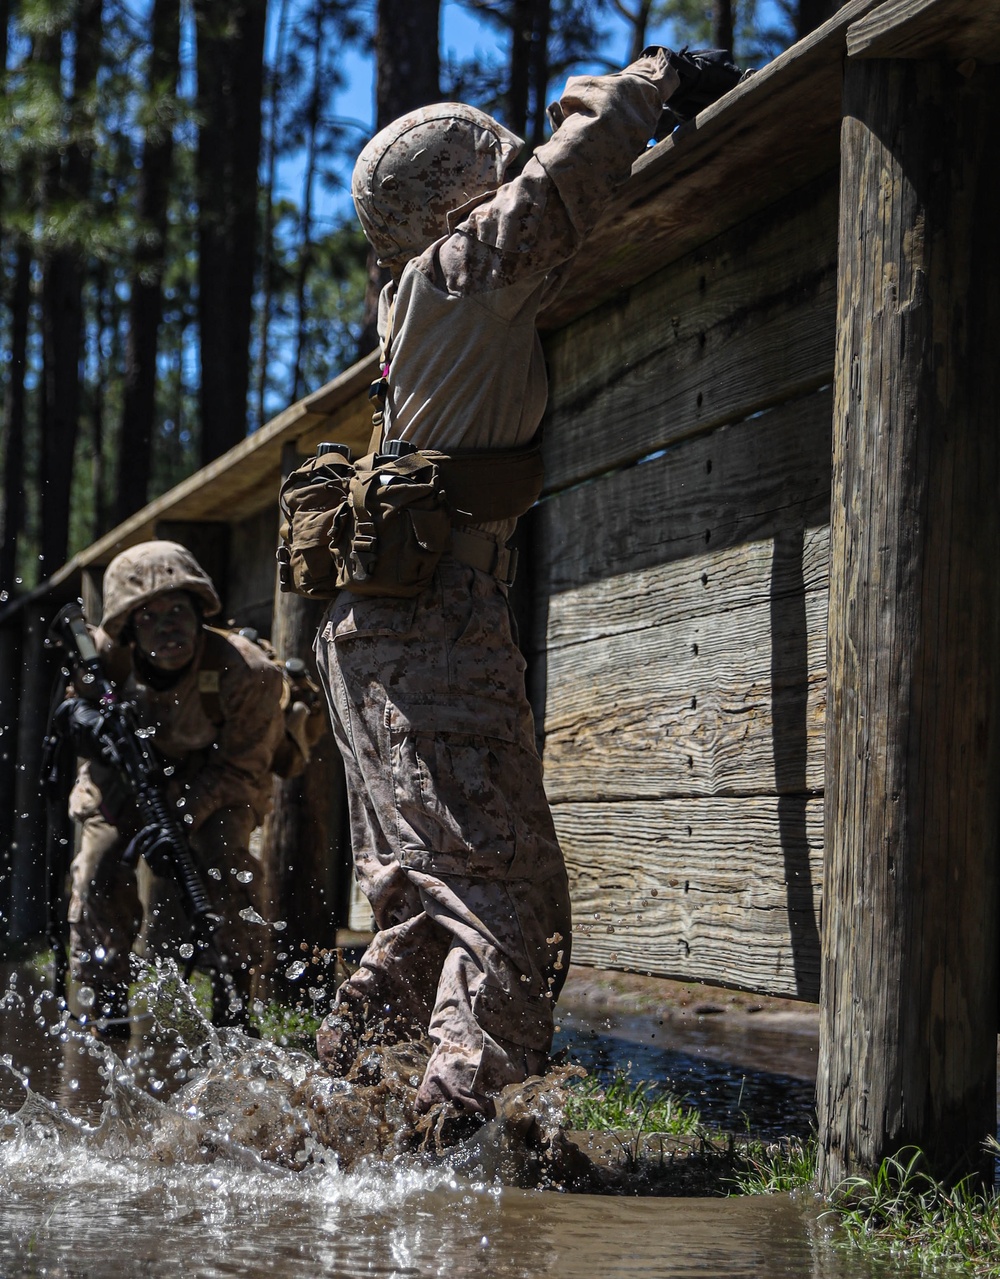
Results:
x,y
379,525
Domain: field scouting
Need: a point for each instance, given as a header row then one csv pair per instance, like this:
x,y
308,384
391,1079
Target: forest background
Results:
x,y
179,257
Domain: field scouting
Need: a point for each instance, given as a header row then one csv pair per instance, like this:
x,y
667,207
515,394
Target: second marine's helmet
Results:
x,y
135,575
424,166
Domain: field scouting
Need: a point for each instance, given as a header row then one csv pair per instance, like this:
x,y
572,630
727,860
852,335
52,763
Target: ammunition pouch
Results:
x,y
379,525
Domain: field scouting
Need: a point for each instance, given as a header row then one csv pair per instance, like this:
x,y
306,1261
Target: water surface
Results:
x,y
100,1176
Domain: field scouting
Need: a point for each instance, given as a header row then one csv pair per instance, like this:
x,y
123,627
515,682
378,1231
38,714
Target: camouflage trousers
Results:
x,y
107,917
453,840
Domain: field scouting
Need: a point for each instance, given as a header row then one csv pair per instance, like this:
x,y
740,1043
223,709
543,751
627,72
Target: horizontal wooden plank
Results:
x,y
725,891
958,29
748,151
770,571
745,322
732,703
738,484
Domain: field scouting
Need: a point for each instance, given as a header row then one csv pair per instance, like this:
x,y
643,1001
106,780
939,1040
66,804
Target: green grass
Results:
x,y
288,1027
623,1106
903,1211
775,1167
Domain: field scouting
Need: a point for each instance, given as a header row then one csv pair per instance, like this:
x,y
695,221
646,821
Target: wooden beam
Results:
x,y
911,897
304,851
769,136
243,480
955,29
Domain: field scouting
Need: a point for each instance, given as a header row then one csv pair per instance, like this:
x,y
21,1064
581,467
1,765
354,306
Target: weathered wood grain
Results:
x,y
908,1028
690,708
725,891
745,322
738,484
768,571
956,29
253,571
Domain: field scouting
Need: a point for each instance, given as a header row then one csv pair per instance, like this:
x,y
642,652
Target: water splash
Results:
x,y
201,1096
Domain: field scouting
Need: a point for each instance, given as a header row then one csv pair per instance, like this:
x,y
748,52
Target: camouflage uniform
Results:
x,y
453,839
218,751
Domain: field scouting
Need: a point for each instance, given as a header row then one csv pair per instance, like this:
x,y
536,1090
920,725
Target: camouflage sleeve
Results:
x,y
540,218
240,757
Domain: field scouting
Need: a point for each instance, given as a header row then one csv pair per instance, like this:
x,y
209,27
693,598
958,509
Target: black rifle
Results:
x,y
161,839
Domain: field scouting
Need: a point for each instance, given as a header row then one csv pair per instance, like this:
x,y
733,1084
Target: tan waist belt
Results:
x,y
487,554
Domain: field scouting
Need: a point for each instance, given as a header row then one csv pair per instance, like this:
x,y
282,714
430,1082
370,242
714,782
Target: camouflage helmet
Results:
x,y
421,168
136,575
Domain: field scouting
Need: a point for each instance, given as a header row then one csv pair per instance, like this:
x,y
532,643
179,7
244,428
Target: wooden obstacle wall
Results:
x,y
678,641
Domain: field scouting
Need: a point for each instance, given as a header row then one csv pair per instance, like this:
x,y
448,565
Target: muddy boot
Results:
x,y
444,1125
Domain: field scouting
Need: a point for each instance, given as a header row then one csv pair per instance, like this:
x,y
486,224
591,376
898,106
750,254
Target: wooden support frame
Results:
x,y
908,1028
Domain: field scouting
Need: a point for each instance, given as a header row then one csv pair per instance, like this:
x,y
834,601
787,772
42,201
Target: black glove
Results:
x,y
153,844
83,724
706,74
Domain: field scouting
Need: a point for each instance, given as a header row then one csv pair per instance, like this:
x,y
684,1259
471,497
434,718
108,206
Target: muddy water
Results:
x,y
749,1073
100,1176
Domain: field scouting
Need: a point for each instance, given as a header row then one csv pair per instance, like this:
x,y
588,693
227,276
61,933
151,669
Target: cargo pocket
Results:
x,y
515,1019
456,774
355,616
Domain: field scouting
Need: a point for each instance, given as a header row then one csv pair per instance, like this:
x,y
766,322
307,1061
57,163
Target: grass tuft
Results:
x,y
774,1167
623,1106
903,1210
288,1027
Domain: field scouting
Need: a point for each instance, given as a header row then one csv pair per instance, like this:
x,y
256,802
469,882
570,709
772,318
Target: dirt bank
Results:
x,y
598,990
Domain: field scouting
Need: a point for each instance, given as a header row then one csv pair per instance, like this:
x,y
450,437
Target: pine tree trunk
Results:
x,y
230,82
813,13
408,75
62,303
146,296
722,24
306,220
275,89
12,445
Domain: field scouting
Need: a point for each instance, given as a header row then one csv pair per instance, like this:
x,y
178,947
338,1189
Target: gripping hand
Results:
x,y
706,74
83,724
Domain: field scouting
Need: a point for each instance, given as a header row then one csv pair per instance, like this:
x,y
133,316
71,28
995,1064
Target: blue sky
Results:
x,y
462,34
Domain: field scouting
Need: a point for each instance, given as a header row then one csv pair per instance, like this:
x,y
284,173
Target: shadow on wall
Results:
x,y
722,536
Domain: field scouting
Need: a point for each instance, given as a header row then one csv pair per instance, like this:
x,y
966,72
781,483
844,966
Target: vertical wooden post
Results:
x,y
303,835
910,937
92,594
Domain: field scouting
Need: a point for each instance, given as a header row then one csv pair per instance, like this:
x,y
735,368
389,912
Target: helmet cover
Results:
x,y
139,573
422,167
